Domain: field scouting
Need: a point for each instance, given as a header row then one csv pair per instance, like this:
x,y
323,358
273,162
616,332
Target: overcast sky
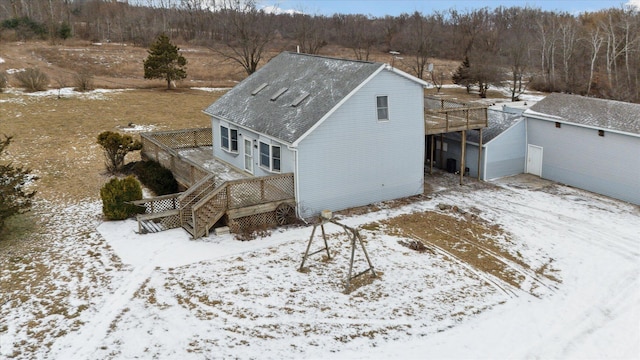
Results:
x,y
395,7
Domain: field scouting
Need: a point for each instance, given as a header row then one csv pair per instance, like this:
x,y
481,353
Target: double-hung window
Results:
x,y
270,157
228,139
275,158
382,105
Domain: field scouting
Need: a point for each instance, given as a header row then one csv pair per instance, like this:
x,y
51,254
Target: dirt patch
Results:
x,y
466,238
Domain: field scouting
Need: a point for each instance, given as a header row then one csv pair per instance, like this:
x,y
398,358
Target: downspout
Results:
x,y
296,184
484,163
526,143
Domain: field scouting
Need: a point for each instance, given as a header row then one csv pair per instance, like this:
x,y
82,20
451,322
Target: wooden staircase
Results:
x,y
202,206
199,208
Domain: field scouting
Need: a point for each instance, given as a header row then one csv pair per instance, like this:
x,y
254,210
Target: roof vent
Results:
x,y
258,89
278,93
299,99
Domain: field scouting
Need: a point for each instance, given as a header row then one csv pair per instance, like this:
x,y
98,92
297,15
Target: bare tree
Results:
x,y
359,36
547,33
309,33
568,35
247,31
514,26
416,42
595,39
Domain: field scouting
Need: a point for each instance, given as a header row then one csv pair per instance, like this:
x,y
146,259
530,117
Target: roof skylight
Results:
x,y
259,88
299,99
278,93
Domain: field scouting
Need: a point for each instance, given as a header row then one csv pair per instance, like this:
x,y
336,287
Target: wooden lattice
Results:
x,y
161,147
253,222
181,139
253,191
159,203
161,213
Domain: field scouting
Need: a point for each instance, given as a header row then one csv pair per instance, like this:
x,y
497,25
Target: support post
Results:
x,y
306,253
433,138
441,149
480,156
464,154
326,245
353,254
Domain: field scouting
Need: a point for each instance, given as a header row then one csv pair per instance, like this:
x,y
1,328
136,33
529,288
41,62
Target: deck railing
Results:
x,y
442,116
161,147
208,198
162,211
192,196
236,194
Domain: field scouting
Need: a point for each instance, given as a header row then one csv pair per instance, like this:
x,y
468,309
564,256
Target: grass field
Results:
x,y
56,137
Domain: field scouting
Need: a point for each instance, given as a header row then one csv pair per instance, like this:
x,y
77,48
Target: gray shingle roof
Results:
x,y
498,121
271,109
592,112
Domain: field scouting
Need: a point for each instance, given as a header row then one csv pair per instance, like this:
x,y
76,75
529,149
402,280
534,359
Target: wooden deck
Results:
x,y
214,189
443,116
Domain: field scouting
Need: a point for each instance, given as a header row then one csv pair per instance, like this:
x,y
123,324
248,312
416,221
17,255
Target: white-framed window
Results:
x,y
382,106
270,157
248,155
275,158
228,139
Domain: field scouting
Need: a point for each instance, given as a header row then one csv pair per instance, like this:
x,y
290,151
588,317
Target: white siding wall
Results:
x,y
505,154
352,159
237,160
577,156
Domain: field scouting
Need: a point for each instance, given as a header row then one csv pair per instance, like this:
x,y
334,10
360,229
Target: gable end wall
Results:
x,y
352,159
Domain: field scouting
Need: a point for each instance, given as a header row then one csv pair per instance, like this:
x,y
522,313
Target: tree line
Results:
x,y
592,53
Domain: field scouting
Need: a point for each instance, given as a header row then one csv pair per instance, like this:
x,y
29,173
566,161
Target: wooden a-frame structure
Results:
x,y
354,236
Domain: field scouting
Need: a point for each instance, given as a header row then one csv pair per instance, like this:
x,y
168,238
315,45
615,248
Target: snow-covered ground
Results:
x,y
161,296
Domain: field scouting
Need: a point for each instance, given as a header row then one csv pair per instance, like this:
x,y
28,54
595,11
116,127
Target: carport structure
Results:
x,y
442,116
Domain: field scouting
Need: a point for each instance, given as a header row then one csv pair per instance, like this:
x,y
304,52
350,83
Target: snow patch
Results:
x,y
208,89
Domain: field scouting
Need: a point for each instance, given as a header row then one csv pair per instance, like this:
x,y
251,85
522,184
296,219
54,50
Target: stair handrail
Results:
x,y
191,195
204,201
196,187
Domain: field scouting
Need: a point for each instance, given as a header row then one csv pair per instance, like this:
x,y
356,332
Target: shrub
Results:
x,y
33,79
83,81
116,197
14,196
25,27
154,176
116,147
3,82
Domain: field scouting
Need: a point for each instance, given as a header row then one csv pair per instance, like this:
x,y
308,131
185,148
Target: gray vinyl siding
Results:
x,y
505,155
454,151
352,159
237,159
577,156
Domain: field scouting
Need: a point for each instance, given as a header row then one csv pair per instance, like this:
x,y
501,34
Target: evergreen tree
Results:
x,y
164,61
462,76
14,198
